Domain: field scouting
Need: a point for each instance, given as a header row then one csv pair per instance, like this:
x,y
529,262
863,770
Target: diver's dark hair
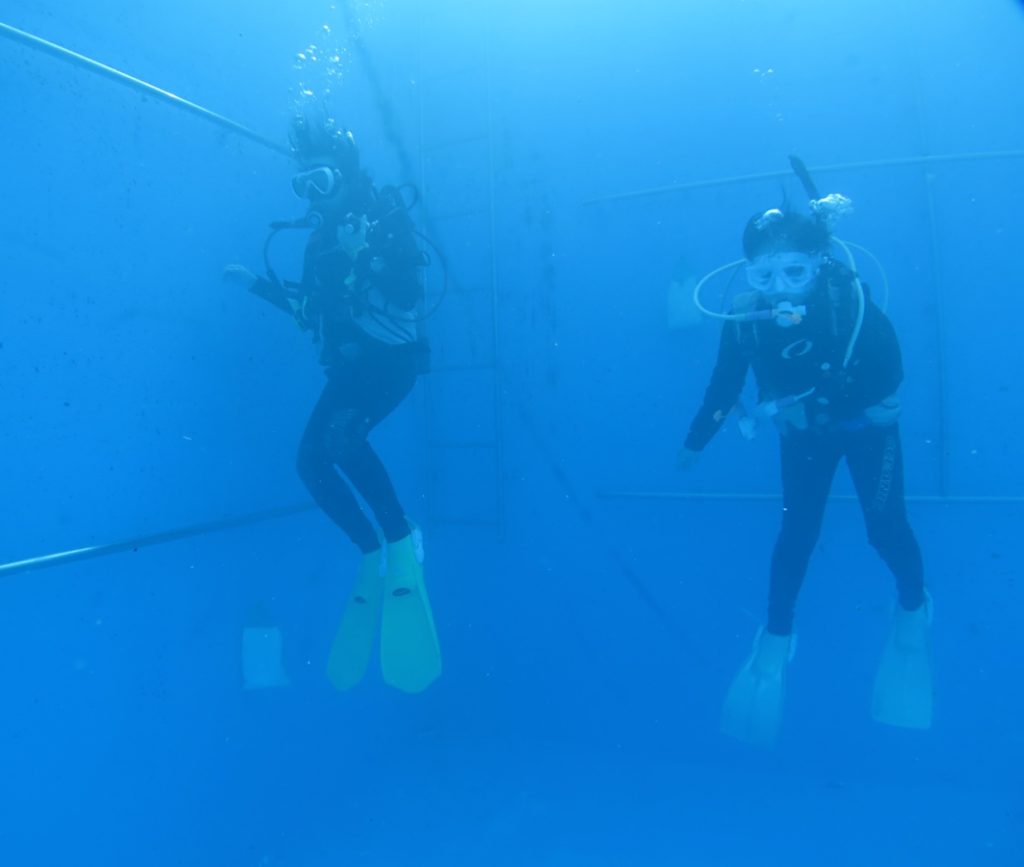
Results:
x,y
314,133
776,230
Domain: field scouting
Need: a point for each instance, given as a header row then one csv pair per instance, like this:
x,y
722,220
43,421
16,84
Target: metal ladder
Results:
x,y
464,456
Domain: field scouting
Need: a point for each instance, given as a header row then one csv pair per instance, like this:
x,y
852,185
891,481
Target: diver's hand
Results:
x,y
239,275
352,234
885,413
687,458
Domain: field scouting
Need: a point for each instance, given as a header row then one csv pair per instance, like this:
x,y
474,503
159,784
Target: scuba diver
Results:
x,y
827,365
358,296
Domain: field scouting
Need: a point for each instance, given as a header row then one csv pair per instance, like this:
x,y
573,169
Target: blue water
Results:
x,y
590,617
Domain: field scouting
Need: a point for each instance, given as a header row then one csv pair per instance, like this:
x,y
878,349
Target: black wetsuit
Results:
x,y
367,377
821,427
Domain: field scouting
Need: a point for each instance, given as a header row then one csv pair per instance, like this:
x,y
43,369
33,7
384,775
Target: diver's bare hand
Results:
x,y
239,275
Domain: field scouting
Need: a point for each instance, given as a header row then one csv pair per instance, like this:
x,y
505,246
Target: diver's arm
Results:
x,y
295,301
272,292
876,370
400,284
400,280
241,276
722,392
391,262
886,363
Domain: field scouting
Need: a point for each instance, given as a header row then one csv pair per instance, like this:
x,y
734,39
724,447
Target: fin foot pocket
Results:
x,y
410,655
753,707
902,694
353,644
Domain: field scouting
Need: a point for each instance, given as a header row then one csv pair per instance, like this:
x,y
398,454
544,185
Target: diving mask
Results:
x,y
316,183
783,273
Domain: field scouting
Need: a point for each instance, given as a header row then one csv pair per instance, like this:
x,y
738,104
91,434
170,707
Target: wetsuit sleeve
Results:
x,y
392,262
722,392
275,293
876,369
271,292
396,275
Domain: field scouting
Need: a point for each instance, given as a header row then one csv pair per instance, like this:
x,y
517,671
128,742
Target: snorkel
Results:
x,y
829,210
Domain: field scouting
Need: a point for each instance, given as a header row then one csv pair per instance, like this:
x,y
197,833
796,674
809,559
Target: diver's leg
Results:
x,y
385,379
315,466
753,706
875,459
809,463
902,693
410,654
361,464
